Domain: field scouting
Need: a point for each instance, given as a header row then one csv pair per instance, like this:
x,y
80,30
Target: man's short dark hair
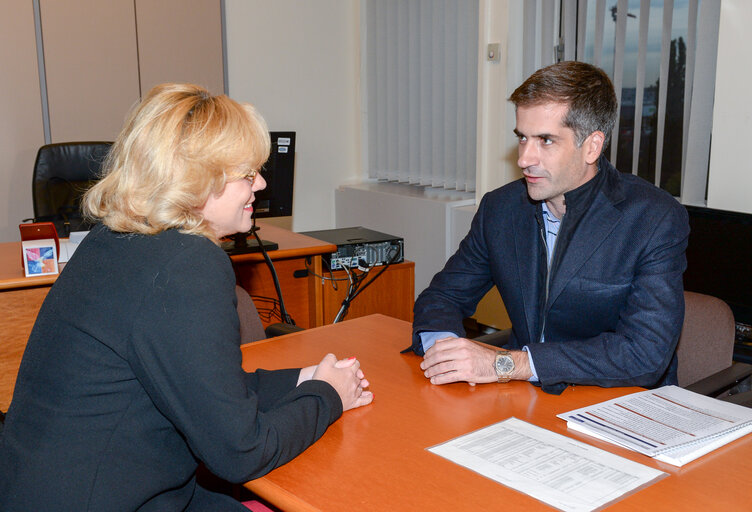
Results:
x,y
585,89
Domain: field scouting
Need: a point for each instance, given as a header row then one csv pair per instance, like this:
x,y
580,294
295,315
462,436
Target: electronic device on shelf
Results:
x,y
359,247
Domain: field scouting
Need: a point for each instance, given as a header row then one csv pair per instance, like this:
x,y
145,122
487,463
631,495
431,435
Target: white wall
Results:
x,y
730,181
298,62
496,145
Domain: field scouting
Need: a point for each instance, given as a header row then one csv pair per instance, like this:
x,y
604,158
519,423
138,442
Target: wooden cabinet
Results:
x,y
296,253
101,57
18,312
298,290
91,67
392,293
180,41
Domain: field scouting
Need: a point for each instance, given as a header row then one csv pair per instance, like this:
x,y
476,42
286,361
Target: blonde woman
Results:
x,y
132,374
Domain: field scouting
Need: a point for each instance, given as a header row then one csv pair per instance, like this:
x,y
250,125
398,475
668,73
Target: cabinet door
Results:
x,y
180,41
391,294
91,65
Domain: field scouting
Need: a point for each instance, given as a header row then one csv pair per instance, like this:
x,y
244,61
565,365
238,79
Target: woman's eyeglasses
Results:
x,y
251,176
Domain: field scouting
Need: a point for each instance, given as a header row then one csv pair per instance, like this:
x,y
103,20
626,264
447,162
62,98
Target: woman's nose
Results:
x,y
259,183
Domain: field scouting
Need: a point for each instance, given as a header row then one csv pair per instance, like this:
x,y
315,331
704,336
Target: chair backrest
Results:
x,y
62,173
251,328
706,344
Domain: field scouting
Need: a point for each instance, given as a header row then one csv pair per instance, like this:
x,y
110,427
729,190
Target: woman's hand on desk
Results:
x,y
307,372
346,378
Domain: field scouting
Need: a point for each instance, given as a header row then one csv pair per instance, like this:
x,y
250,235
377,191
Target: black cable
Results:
x,y
286,318
267,313
386,266
354,289
330,278
354,283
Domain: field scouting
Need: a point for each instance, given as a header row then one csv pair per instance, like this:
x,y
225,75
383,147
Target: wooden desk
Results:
x,y
375,458
20,300
21,297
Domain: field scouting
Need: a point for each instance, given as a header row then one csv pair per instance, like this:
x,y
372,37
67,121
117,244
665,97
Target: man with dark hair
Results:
x,y
588,261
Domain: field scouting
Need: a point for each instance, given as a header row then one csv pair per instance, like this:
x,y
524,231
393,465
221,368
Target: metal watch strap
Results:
x,y
507,376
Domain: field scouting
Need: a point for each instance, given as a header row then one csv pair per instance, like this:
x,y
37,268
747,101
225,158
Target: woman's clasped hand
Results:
x,y
347,378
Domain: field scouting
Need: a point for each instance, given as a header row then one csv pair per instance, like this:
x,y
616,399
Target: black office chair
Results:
x,y
62,173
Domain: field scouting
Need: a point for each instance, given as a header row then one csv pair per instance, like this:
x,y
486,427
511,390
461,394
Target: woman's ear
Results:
x,y
594,146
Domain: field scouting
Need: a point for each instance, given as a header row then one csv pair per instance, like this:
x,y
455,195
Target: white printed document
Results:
x,y
670,423
559,471
68,247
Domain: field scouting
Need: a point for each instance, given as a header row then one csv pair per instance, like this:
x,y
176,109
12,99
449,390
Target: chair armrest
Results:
x,y
280,329
723,380
497,339
744,399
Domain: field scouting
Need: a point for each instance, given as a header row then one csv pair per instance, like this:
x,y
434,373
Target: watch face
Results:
x,y
504,365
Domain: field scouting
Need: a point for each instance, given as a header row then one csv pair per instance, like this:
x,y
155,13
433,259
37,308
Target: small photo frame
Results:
x,y
39,257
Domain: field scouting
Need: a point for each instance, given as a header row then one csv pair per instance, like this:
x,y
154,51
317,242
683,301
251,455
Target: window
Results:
x,y
651,49
420,76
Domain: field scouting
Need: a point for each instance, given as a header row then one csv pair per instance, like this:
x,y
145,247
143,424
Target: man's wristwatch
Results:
x,y
503,365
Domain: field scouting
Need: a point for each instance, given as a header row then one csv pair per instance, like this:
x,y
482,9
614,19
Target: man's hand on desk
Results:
x,y
346,378
463,360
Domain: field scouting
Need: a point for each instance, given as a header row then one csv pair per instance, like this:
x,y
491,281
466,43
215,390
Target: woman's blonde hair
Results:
x,y
178,146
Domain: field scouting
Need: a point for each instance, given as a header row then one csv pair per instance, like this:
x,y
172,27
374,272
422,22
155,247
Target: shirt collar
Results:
x,y
547,215
582,196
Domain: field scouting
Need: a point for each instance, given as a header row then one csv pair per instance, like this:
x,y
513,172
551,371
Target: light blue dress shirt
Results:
x,y
428,338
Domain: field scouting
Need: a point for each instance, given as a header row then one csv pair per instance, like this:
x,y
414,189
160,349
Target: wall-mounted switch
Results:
x,y
493,53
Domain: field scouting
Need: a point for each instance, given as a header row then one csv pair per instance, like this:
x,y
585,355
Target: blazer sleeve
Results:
x,y
185,352
271,386
638,351
456,290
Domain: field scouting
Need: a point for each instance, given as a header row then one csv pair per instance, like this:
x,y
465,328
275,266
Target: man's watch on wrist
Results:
x,y
503,365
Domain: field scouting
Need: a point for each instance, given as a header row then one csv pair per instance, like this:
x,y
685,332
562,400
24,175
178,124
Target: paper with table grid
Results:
x,y
559,471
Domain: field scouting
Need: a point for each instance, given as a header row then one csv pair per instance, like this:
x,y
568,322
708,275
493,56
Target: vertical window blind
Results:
x,y
661,56
539,49
420,76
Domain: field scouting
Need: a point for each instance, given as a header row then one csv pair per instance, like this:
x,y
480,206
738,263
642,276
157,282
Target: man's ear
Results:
x,y
594,146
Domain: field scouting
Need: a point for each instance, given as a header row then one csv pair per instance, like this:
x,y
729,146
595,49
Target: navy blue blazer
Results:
x,y
615,302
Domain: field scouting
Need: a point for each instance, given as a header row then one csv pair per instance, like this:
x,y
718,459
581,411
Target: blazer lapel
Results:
x,y
600,219
526,239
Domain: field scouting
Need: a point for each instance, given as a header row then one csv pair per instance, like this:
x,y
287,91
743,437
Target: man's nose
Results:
x,y
527,155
